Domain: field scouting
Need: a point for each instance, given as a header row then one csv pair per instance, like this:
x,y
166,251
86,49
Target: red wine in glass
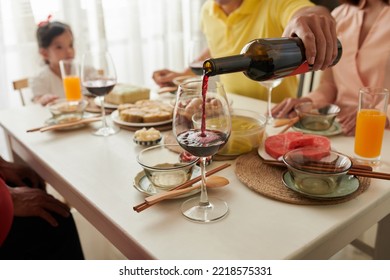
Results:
x,y
202,144
192,111
100,87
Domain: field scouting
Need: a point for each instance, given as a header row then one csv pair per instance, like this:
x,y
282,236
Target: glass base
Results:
x,y
215,210
367,161
106,131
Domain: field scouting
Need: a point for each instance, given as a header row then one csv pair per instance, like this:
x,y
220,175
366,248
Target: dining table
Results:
x,y
96,176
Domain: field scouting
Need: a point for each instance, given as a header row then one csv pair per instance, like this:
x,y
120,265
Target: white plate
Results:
x,y
143,185
263,154
348,185
335,129
115,117
106,104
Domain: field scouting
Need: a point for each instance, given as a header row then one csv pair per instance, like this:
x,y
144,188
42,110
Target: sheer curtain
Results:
x,y
141,35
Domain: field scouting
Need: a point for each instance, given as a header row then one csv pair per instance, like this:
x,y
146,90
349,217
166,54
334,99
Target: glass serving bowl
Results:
x,y
163,166
317,119
67,111
316,171
247,132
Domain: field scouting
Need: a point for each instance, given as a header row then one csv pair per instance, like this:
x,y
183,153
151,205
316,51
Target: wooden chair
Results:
x,y
19,85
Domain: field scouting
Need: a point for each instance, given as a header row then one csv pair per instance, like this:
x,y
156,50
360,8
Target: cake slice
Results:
x,y
126,93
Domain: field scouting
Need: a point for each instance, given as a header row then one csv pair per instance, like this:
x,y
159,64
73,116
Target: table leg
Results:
x,y
382,242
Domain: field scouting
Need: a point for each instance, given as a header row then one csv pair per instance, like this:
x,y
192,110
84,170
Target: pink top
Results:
x,y
366,66
6,211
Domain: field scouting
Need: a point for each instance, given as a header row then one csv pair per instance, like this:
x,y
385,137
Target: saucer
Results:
x,y
143,185
335,129
348,185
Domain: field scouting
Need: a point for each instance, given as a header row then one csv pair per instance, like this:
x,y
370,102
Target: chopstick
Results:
x,y
283,122
144,205
63,125
356,169
289,124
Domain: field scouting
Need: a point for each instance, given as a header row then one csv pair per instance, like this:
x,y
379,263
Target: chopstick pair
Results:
x,y
64,125
287,123
356,169
144,205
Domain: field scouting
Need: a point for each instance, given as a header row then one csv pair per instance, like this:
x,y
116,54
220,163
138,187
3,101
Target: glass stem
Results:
x,y
204,200
104,120
269,117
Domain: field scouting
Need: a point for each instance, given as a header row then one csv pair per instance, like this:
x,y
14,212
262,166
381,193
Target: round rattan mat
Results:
x,y
267,180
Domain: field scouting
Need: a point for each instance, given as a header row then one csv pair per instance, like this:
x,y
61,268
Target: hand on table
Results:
x,y
285,109
164,77
20,175
46,99
30,202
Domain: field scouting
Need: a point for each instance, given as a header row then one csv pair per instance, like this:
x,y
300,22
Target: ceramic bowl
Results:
x,y
316,119
163,166
316,171
67,111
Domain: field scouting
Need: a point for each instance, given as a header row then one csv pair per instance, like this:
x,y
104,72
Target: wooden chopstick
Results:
x,y
289,124
283,122
64,125
356,169
144,205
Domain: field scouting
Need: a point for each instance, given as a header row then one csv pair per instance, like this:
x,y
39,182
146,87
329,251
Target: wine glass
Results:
x,y
196,48
270,85
98,76
202,125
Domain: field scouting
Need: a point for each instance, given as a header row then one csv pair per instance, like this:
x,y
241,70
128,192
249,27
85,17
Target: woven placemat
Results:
x,y
267,180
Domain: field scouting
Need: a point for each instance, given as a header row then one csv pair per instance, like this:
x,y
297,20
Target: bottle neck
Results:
x,y
225,65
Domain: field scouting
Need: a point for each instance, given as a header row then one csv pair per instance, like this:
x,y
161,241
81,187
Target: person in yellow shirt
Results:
x,y
229,24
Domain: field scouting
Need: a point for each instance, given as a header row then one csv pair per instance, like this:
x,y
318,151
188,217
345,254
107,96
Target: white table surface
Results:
x,y
95,175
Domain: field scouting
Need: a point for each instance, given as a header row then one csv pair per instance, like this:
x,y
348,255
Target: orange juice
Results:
x,y
370,126
72,87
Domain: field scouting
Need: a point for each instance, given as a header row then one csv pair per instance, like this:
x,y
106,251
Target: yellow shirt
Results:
x,y
227,35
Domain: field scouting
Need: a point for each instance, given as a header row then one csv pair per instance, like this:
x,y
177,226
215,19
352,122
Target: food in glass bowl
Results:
x,y
316,119
64,111
247,132
163,166
316,175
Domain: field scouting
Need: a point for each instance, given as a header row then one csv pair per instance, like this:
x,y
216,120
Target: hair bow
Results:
x,y
44,22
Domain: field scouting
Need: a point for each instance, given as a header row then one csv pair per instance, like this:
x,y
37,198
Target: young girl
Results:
x,y
55,41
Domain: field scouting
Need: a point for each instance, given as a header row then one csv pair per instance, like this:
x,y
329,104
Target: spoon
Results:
x,y
211,182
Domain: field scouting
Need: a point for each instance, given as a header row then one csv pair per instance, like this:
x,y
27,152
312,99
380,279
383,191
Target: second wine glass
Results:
x,y
270,85
202,125
98,76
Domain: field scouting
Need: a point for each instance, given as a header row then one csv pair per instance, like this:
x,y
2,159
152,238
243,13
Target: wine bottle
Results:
x,y
265,59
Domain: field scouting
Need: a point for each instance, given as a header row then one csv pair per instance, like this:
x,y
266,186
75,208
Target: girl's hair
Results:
x,y
47,31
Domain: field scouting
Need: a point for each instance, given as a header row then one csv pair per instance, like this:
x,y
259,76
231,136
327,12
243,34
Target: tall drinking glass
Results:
x,y
98,76
70,74
370,124
202,125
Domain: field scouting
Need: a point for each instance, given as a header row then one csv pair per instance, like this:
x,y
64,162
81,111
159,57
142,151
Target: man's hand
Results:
x,y
20,175
317,29
35,202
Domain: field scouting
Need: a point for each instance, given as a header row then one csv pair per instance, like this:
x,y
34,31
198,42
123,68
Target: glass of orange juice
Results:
x,y
70,73
370,124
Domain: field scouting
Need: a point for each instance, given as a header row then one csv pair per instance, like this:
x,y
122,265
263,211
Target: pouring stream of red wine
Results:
x,y
205,84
